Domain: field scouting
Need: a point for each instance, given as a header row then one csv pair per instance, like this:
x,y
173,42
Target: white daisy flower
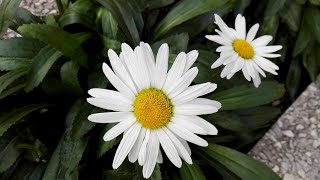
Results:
x,y
153,106
240,51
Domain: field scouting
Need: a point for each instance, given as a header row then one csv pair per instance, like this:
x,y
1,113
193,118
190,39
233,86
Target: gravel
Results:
x,y
36,7
292,146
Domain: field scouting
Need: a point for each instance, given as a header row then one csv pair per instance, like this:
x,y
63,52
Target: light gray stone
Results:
x,y
298,157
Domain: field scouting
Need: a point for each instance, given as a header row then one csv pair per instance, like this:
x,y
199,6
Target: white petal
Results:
x,y
182,151
218,39
176,71
182,84
195,108
193,92
250,69
161,65
227,70
252,32
245,73
152,154
266,62
229,76
121,71
269,55
218,62
143,149
187,135
143,68
204,101
256,80
185,144
191,58
240,26
160,158
125,145
224,48
109,117
211,129
222,25
238,65
233,58
258,68
189,123
226,36
169,148
108,95
111,104
133,154
150,61
116,82
261,41
267,49
118,129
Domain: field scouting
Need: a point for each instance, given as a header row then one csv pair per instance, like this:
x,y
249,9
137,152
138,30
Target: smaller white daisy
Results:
x,y
240,51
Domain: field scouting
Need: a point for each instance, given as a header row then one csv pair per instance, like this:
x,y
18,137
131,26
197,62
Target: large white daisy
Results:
x,y
240,51
153,106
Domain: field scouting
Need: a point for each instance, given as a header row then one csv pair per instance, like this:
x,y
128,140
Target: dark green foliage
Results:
x,y
59,59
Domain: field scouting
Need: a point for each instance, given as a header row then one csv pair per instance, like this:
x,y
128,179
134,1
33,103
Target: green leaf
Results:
x,y
125,17
270,26
80,12
9,155
81,124
10,77
58,39
241,5
273,7
11,90
294,77
303,38
310,62
11,118
73,144
177,43
248,96
105,146
315,2
128,15
20,47
292,15
7,10
203,63
313,18
23,16
69,76
184,11
97,79
240,164
41,64
191,172
244,120
108,23
53,165
155,4
13,63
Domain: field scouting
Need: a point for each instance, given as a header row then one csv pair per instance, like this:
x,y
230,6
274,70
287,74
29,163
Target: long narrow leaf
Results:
x,y
57,38
184,11
240,164
41,65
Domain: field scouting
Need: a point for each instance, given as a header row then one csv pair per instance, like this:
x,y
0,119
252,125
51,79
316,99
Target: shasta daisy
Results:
x,y
153,107
240,51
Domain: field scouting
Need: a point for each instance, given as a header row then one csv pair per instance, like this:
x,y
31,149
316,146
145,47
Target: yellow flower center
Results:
x,y
243,48
152,108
